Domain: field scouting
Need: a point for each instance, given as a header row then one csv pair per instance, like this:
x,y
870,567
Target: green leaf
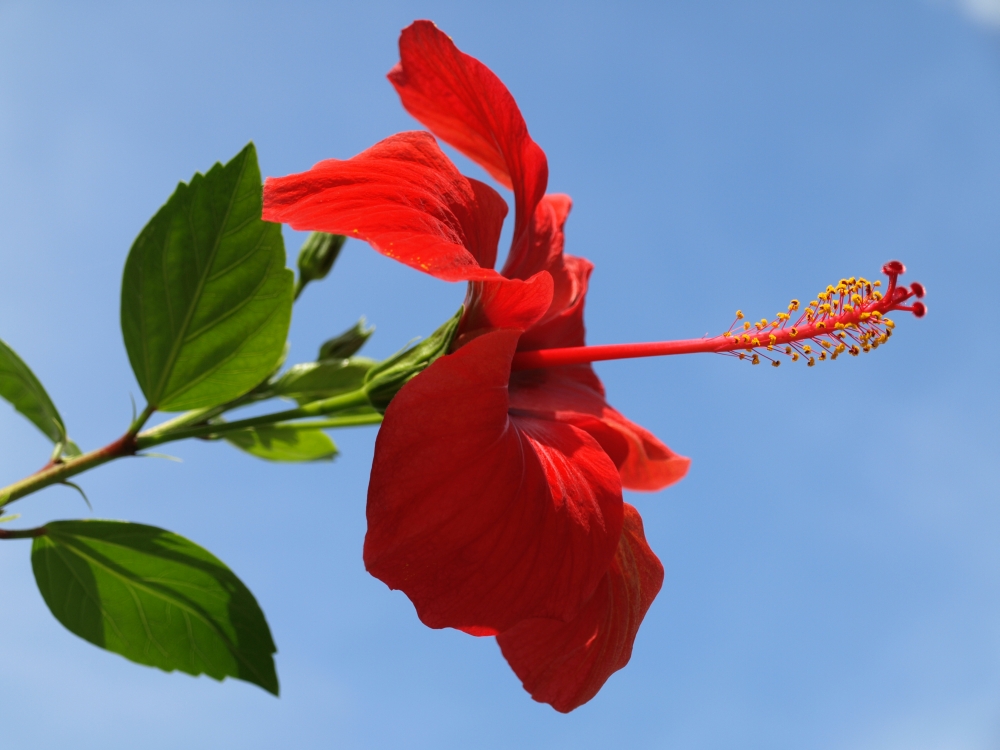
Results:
x,y
155,598
311,381
22,389
206,297
284,443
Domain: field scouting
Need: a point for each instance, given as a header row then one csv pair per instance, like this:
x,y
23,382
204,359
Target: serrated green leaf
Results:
x,y
24,391
311,381
206,297
284,443
155,598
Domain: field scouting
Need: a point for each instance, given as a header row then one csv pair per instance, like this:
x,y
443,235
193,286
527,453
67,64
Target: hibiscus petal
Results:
x,y
574,395
509,303
405,198
483,519
565,664
545,253
463,102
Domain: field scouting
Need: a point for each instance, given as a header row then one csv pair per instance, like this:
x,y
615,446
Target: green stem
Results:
x,y
22,533
141,420
357,420
178,429
320,408
60,472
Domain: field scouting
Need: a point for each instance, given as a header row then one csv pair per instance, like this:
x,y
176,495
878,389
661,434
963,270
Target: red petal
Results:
x,y
574,395
545,253
405,198
483,519
565,664
510,303
463,102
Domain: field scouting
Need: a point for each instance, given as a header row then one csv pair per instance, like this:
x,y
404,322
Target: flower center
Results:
x,y
849,317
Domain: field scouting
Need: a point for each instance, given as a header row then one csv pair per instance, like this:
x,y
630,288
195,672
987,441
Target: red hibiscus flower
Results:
x,y
495,500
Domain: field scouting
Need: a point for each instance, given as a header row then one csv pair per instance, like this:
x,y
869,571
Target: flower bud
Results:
x,y
347,343
316,258
386,378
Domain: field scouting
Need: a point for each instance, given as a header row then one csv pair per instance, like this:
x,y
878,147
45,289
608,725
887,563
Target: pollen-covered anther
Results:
x,y
849,317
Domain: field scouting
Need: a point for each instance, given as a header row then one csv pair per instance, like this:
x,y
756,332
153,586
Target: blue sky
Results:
x,y
832,559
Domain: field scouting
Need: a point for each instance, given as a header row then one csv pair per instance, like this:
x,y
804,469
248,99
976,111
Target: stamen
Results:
x,y
847,318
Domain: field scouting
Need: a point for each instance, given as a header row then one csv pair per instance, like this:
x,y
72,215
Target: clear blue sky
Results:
x,y
832,559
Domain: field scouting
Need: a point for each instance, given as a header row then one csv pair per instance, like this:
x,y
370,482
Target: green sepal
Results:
x,y
316,257
206,297
311,381
284,443
155,598
25,392
385,379
348,343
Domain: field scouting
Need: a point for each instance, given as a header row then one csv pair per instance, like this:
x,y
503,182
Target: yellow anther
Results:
x,y
812,361
822,356
739,315
855,351
856,299
755,360
820,324
838,326
756,341
794,331
848,308
809,313
788,350
760,326
793,305
795,358
727,334
876,283
865,316
775,363
876,314
814,303
772,338
852,280
825,344
770,348
746,326
807,349
841,348
877,295
888,322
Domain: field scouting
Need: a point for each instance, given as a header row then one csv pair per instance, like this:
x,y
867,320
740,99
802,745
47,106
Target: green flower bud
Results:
x,y
385,379
316,257
347,343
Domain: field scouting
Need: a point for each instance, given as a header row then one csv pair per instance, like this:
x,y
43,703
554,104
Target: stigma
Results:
x,y
849,318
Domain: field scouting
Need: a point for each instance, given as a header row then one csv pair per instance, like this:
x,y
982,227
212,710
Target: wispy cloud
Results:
x,y
983,11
